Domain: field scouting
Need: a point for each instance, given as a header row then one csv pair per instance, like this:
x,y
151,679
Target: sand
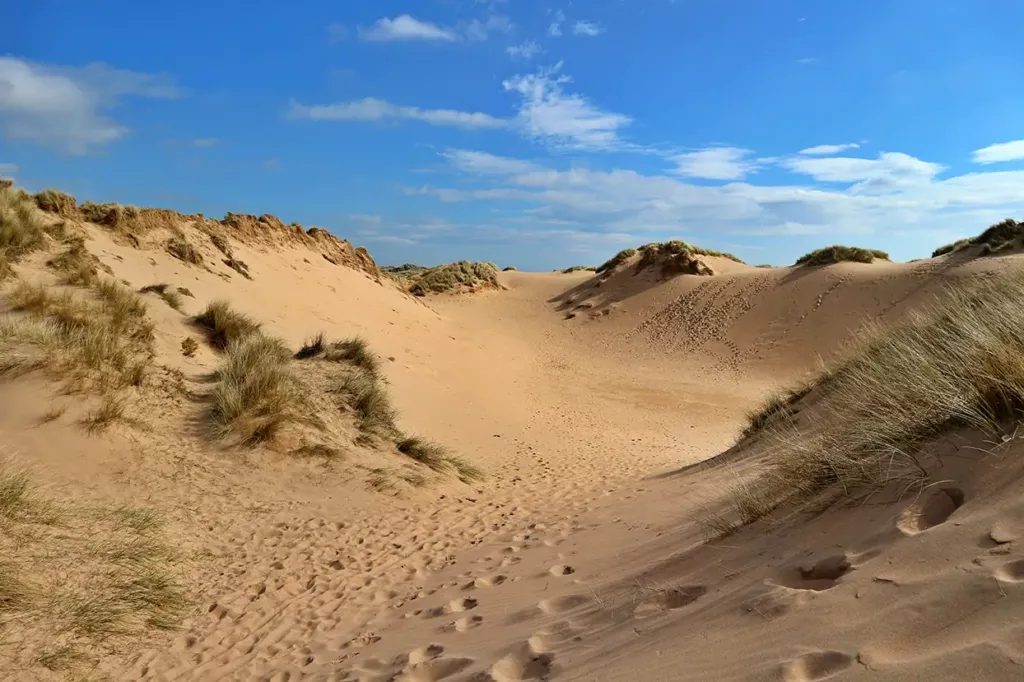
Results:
x,y
581,556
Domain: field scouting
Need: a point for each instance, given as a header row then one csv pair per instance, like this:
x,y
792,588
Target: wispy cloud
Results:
x,y
487,164
371,109
555,28
337,33
716,163
525,51
66,107
807,60
406,27
823,149
587,28
997,153
203,142
891,170
482,30
8,168
547,112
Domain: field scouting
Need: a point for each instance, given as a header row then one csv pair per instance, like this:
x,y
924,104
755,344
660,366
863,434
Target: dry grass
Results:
x,y
257,393
21,228
578,268
110,214
75,265
171,297
777,409
111,410
839,254
959,362
452,277
78,583
678,257
223,325
55,201
189,346
182,249
510,268
103,342
368,398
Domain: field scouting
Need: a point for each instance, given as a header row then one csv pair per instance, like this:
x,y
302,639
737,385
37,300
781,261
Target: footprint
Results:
x,y
823,575
1012,572
562,569
523,663
492,581
668,600
931,510
434,670
562,604
818,665
460,605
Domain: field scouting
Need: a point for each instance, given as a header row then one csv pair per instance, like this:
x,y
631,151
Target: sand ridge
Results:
x,y
581,555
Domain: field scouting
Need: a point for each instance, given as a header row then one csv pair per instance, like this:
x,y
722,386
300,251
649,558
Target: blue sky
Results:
x,y
540,134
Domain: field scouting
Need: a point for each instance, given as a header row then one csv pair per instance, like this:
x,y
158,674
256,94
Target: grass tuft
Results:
x,y
839,254
21,228
75,265
450,277
55,201
311,348
224,325
957,363
577,268
616,260
257,393
179,247
355,351
170,296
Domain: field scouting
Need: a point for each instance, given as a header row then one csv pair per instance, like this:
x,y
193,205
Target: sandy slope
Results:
x,y
580,557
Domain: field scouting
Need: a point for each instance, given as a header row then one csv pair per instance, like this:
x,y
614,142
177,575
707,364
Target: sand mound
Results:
x,y
224,482
459,277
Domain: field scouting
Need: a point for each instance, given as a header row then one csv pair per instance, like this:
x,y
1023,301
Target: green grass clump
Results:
x,y
839,254
1000,237
616,260
577,268
510,268
453,276
223,325
957,363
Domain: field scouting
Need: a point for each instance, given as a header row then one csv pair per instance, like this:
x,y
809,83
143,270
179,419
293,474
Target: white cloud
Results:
x,y
205,142
717,163
996,153
487,164
548,112
406,27
481,30
8,168
371,109
555,29
525,51
337,33
587,28
824,149
65,107
807,60
891,170
625,201
366,218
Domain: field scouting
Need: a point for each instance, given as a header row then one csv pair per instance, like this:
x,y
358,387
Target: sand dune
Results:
x,y
598,407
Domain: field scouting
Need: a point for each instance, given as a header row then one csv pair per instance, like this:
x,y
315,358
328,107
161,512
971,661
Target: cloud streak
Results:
x,y
998,153
372,109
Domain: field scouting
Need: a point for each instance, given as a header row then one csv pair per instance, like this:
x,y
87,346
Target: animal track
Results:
x,y
818,665
823,575
668,600
930,511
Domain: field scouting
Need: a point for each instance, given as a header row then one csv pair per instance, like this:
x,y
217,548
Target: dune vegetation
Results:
x,y
998,238
955,364
840,254
461,275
